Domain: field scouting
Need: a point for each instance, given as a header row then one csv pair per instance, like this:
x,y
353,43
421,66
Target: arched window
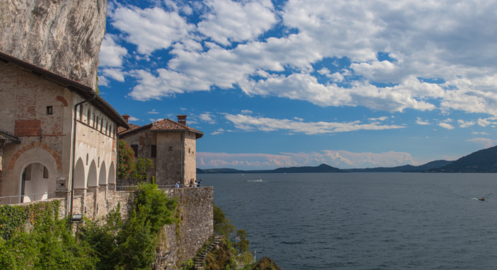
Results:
x,y
101,125
96,124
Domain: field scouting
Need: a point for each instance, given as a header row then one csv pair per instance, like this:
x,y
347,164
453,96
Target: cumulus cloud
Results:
x,y
336,158
419,121
218,131
131,118
116,74
485,142
236,40
465,124
151,28
248,123
446,126
111,54
207,117
231,21
103,81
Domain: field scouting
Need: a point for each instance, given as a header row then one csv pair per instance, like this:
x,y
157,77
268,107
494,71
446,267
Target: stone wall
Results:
x,y
61,36
177,242
195,227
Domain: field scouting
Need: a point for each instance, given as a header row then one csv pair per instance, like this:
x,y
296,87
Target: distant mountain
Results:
x,y
483,161
404,168
305,169
324,168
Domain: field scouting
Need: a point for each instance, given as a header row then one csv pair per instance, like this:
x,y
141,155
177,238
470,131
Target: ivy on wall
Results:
x,y
33,237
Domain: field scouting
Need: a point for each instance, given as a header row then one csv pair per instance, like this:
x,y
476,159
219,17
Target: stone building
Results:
x,y
170,145
53,132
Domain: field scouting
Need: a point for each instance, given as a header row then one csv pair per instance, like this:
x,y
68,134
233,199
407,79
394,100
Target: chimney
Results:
x,y
182,119
126,117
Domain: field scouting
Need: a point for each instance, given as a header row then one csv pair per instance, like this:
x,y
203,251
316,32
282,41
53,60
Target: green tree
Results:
x,y
140,173
222,225
243,243
131,244
126,161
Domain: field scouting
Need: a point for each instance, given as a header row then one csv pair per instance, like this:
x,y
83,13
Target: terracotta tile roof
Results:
x,y
161,125
170,125
121,130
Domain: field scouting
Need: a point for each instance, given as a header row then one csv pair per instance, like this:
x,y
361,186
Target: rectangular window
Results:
x,y
49,110
135,149
153,151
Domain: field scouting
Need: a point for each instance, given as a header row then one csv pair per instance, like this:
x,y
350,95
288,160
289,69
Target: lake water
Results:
x,y
364,220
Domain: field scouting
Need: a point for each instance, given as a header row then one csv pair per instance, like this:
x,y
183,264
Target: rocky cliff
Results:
x,y
63,36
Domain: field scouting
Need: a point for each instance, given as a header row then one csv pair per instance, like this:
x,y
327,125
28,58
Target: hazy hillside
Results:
x,y
480,161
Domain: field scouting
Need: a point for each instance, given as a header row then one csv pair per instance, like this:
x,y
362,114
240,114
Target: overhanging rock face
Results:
x,y
62,36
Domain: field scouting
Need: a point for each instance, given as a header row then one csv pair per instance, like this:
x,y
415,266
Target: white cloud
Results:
x,y
419,121
218,131
248,123
131,118
383,118
465,124
446,126
336,158
299,119
103,81
153,111
482,133
111,54
425,40
246,111
485,142
207,117
230,21
116,74
151,28
155,120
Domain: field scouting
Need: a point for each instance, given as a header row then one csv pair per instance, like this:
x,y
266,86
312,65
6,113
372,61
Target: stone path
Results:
x,y
200,259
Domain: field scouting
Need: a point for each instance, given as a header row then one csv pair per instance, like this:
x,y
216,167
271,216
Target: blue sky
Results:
x,y
352,84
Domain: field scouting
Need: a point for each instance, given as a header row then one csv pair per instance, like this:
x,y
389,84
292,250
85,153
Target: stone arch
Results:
x,y
102,179
92,175
79,174
63,100
112,173
32,145
34,182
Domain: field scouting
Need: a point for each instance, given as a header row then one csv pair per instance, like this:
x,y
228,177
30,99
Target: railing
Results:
x,y
26,198
135,187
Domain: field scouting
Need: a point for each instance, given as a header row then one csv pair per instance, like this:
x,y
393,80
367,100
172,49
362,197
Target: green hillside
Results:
x,y
483,161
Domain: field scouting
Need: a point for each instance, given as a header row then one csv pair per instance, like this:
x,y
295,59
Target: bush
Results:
x,y
131,244
140,173
50,244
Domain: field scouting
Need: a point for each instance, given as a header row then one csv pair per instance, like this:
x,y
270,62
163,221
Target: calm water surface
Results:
x,y
365,220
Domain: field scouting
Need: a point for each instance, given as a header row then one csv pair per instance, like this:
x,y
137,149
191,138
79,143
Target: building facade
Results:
x,y
49,145
170,145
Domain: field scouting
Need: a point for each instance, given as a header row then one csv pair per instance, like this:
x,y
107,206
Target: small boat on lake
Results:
x,y
481,199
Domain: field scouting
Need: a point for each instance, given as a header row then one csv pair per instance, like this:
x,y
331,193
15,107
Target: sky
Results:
x,y
353,84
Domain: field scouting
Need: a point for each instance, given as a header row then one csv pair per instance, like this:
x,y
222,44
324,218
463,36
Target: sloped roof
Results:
x,y
7,138
170,125
158,126
83,90
122,130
